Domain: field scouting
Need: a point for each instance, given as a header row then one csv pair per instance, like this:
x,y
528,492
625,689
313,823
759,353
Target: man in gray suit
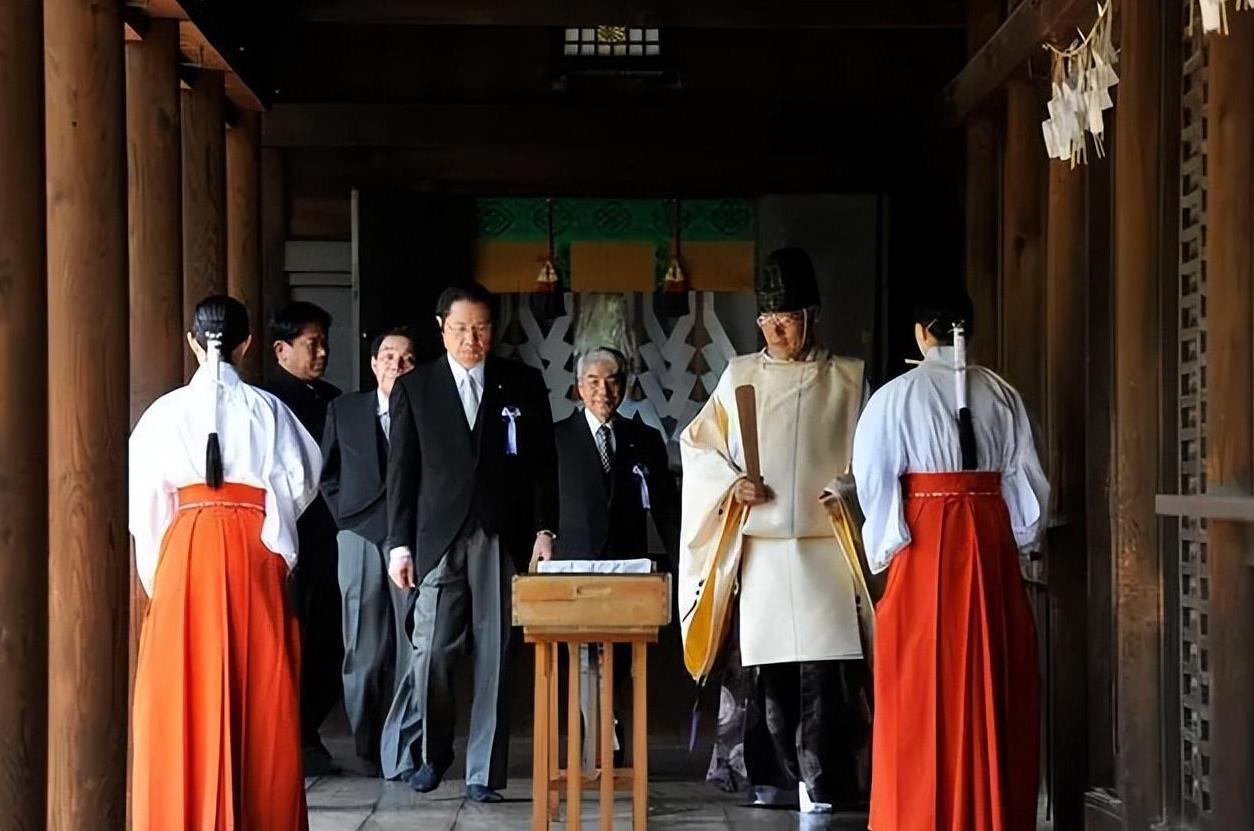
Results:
x,y
354,476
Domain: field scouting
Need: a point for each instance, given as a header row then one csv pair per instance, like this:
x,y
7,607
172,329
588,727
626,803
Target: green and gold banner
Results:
x,y
614,245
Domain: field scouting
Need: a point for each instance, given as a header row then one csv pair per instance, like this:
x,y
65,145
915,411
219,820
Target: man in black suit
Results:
x,y
612,472
472,498
354,471
299,335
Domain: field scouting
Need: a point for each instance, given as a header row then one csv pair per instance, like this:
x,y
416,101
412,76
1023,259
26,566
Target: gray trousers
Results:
x,y
463,604
376,648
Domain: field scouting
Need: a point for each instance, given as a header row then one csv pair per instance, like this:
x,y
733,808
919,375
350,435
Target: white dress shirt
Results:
x,y
910,425
594,424
463,376
385,418
263,445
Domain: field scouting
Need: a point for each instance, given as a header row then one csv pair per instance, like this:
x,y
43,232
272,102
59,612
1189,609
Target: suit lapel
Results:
x,y
591,457
448,404
489,405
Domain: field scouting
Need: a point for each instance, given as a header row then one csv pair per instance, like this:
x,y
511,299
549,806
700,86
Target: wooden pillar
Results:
x,y
1023,256
155,214
204,193
1066,283
23,421
983,201
155,238
243,226
1136,583
274,285
1230,443
87,359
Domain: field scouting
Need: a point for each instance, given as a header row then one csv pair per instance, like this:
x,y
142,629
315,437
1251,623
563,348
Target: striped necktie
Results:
x,y
603,447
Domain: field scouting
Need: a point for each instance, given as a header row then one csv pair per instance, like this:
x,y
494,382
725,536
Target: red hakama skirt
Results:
x,y
957,725
216,711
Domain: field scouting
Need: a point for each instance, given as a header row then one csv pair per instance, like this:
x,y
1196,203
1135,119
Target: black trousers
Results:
x,y
316,598
810,727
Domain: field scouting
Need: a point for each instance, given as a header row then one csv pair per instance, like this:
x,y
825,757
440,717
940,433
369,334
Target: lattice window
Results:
x,y
611,42
1194,583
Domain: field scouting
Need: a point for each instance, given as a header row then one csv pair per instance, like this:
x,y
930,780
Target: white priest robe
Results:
x,y
796,589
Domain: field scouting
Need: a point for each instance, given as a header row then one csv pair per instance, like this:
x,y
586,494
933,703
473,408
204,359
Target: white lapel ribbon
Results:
x,y
641,472
511,432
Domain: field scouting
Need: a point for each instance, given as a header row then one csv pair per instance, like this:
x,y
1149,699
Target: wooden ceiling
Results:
x,y
710,14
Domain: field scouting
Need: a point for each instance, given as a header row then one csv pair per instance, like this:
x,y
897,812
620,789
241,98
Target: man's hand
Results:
x,y
748,492
401,570
542,550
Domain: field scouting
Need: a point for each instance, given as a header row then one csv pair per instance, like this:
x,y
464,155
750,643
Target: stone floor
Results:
x,y
357,803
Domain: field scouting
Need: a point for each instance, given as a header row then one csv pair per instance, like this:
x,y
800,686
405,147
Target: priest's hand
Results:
x,y
749,492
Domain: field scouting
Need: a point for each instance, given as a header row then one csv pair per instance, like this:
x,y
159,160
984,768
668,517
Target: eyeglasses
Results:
x,y
460,330
780,318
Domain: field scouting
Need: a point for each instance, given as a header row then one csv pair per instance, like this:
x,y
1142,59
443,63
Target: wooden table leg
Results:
x,y
640,738
540,750
555,794
574,765
607,737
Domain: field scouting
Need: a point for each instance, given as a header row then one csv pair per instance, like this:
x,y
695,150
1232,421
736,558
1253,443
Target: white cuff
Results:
x,y
401,552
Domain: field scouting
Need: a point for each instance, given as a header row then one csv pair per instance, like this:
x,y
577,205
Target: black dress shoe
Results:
x,y
483,794
425,780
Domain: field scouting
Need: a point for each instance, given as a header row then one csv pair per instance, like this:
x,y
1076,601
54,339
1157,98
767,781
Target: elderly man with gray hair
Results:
x,y
613,472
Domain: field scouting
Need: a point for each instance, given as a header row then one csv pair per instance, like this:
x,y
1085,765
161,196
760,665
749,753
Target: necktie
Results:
x,y
604,448
385,423
470,399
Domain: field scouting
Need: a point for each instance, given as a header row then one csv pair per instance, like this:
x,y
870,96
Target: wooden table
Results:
x,y
577,610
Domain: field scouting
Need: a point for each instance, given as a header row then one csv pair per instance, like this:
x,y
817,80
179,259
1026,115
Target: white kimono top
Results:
x,y
263,445
796,591
910,425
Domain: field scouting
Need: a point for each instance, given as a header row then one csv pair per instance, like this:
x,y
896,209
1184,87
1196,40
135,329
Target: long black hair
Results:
x,y
223,321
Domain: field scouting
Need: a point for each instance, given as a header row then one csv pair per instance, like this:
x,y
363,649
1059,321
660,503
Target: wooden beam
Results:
x,y
243,227
1135,539
84,89
204,194
660,13
23,421
1230,425
710,126
212,36
1019,38
200,52
1225,507
983,203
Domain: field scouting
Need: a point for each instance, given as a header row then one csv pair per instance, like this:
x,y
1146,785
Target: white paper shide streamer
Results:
x,y
1082,77
1215,14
